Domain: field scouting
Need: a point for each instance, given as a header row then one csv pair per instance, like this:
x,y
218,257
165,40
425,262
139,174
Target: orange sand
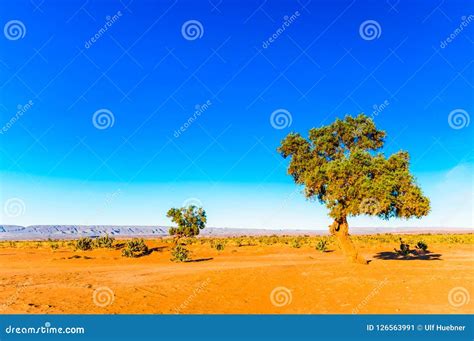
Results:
x,y
237,280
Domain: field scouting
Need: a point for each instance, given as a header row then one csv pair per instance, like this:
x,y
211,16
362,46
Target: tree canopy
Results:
x,y
190,221
341,166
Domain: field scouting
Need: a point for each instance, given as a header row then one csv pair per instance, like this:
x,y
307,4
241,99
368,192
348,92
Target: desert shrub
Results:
x,y
104,242
54,246
180,254
404,248
422,246
135,248
237,241
322,245
190,221
218,244
84,244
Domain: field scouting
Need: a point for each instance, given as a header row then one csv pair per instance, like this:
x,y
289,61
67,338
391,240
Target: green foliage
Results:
x,y
180,254
404,249
220,246
296,243
421,245
104,242
135,248
338,164
84,244
322,245
190,221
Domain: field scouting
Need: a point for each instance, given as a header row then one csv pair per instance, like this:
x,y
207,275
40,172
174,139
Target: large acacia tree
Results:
x,y
340,166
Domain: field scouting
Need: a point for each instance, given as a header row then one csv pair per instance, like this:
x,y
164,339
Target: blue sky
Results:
x,y
150,78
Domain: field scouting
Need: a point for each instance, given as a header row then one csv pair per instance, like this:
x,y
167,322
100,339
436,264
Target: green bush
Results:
x,y
104,242
322,245
404,249
84,244
180,254
422,246
296,243
135,248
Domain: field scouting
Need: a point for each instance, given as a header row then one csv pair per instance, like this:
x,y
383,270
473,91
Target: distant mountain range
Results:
x,y
42,232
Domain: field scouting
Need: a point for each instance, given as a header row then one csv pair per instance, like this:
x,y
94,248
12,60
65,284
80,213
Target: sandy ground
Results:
x,y
250,279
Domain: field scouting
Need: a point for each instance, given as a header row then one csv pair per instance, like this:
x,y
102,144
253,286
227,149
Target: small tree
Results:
x,y
190,221
339,166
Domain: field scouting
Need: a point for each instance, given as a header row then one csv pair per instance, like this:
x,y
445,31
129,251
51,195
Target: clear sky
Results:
x,y
94,97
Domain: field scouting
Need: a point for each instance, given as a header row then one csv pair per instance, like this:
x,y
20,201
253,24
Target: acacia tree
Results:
x,y
340,166
190,221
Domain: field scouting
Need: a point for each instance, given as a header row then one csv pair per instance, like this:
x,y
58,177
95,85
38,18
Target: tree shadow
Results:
x,y
151,250
389,255
199,260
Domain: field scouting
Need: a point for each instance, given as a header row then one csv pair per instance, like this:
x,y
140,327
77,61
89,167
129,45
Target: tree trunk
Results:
x,y
176,241
340,229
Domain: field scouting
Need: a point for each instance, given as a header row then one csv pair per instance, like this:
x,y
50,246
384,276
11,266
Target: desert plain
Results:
x,y
247,275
